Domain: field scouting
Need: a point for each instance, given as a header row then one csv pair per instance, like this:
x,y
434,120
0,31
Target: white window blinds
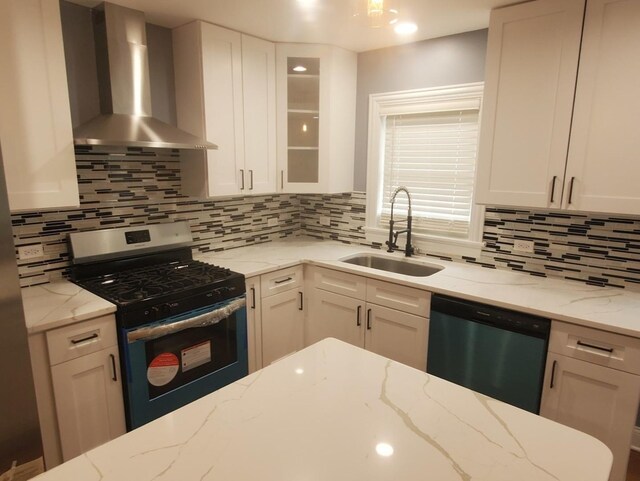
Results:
x,y
433,154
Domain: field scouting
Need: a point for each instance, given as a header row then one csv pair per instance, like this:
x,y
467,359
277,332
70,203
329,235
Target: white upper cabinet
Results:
x,y
532,61
555,135
35,117
604,155
225,91
316,94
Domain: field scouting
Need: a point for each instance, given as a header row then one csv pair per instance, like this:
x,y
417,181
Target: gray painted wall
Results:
x,y
456,59
82,76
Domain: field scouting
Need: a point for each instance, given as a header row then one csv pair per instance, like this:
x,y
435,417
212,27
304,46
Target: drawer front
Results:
x,y
599,347
281,281
340,282
396,296
71,342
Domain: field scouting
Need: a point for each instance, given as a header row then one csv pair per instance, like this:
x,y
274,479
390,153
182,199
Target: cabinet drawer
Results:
x,y
281,281
396,296
599,347
80,339
340,282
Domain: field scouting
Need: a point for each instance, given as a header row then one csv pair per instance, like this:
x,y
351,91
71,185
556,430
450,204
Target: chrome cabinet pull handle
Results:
x,y
85,339
358,323
301,308
599,348
553,187
282,180
253,298
553,374
242,178
250,179
113,367
369,319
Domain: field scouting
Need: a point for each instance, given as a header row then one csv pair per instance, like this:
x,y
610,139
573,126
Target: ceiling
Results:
x,y
319,21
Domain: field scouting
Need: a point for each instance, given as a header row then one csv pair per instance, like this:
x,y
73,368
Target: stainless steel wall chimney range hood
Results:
x,y
123,79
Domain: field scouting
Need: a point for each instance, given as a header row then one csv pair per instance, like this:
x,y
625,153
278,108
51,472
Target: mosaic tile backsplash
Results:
x,y
595,249
134,186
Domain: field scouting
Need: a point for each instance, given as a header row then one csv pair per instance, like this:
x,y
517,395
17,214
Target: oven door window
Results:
x,y
180,358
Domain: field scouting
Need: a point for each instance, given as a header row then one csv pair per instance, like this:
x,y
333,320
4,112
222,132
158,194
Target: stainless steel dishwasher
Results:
x,y
495,351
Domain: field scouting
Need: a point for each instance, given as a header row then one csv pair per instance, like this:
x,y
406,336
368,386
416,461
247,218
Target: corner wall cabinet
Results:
x,y
385,318
316,87
275,313
554,135
78,387
225,92
592,383
35,117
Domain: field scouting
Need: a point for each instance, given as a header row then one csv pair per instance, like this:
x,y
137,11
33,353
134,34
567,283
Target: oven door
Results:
x,y
173,362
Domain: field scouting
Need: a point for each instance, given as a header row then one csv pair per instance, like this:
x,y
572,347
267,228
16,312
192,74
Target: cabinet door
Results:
x,y
334,315
532,63
35,118
89,403
254,316
397,335
282,325
603,158
222,74
259,100
599,401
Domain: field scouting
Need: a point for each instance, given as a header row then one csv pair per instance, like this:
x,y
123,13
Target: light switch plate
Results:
x,y
272,222
325,221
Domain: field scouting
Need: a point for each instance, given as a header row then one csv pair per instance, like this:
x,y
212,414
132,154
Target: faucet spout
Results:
x,y
393,236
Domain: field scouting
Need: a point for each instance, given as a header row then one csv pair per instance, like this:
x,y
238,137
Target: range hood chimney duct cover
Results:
x,y
125,94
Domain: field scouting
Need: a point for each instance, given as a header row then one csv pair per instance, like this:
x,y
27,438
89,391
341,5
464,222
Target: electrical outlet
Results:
x,y
325,221
520,245
30,252
272,222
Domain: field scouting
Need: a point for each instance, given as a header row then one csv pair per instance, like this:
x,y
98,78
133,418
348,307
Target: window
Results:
x,y
426,141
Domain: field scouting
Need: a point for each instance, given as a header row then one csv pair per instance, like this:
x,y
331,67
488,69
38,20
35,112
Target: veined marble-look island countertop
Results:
x,y
337,412
611,309
60,303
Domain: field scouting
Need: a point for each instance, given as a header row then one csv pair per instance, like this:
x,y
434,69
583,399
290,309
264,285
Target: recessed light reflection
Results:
x,y
405,28
384,449
307,3
299,371
299,68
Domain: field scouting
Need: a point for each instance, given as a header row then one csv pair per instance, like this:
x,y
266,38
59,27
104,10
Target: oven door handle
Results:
x,y
206,319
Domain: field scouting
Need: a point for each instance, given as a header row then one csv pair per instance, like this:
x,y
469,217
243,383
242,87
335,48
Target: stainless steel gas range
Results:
x,y
181,323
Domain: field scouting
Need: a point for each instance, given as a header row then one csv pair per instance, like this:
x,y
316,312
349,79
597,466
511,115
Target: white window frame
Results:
x,y
411,102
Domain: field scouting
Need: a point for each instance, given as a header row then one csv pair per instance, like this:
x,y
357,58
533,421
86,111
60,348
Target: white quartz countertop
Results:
x,y
337,412
610,309
60,303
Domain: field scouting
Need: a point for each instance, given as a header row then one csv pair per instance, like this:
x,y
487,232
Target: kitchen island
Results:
x,y
336,412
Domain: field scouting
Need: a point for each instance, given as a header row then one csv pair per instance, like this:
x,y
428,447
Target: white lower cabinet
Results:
x,y
275,316
89,405
282,325
398,335
584,391
76,369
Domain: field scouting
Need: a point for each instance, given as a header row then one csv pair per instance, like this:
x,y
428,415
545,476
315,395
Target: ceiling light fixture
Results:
x,y
299,68
406,28
376,13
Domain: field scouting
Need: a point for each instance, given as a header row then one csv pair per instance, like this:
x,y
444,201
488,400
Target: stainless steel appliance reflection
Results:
x,y
20,442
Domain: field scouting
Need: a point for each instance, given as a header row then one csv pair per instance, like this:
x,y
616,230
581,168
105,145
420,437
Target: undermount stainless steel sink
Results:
x,y
396,266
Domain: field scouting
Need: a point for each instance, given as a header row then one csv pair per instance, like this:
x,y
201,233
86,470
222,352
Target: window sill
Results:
x,y
430,244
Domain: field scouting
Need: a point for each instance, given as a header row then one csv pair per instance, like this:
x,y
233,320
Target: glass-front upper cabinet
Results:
x,y
316,118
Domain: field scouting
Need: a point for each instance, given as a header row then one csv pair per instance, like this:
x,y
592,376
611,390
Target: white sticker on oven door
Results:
x,y
195,356
163,369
